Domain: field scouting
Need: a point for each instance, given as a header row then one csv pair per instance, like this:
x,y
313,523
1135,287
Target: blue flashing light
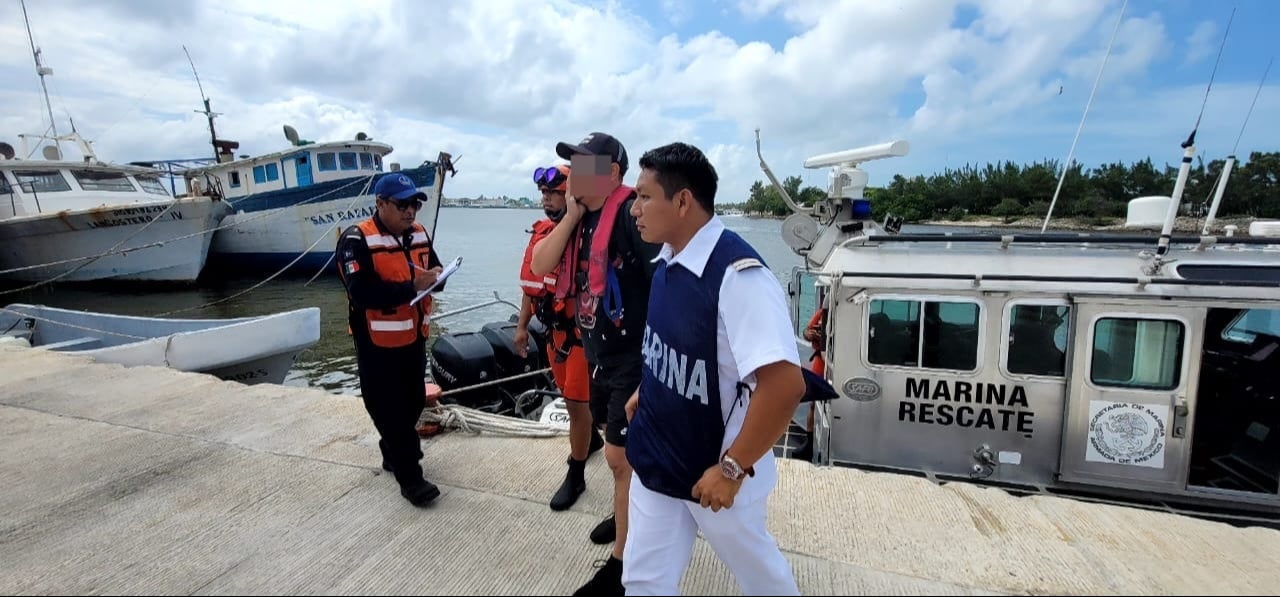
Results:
x,y
861,209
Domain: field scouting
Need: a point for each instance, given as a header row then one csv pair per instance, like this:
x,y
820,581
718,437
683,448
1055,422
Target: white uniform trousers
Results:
x,y
660,535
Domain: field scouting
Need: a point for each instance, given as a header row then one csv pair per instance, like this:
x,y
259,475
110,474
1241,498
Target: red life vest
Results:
x,y
401,325
531,284
598,259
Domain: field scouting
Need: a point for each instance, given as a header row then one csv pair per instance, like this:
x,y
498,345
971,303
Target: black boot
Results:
x,y
805,450
421,493
605,532
607,580
575,482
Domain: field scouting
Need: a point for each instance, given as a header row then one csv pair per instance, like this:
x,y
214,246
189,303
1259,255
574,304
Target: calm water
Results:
x,y
490,241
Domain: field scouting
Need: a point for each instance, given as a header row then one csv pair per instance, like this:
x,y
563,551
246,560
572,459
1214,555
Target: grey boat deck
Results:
x,y
150,480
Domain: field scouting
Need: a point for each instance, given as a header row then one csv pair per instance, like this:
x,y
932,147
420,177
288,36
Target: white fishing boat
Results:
x,y
249,350
86,220
83,219
1134,367
289,206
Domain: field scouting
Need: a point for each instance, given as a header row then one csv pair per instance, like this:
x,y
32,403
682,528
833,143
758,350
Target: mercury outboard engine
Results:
x,y
464,359
501,336
469,358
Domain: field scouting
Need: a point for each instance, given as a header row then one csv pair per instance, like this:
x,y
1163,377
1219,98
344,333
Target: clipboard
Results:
x,y
444,275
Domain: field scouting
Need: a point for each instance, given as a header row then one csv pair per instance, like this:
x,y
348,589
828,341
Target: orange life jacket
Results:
x,y
531,284
403,324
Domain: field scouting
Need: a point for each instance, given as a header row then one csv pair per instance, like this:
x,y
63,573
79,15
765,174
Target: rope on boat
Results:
x,y
475,421
368,181
453,416
117,251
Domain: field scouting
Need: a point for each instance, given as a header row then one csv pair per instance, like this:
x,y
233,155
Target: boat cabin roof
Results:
x,y
380,149
1239,267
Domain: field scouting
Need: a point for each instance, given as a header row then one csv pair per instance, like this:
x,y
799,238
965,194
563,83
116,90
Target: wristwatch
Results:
x,y
732,469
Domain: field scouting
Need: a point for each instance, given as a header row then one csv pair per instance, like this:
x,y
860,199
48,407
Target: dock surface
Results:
x,y
149,480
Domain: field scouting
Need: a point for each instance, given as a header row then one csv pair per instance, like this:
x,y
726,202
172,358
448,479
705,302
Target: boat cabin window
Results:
x,y
806,298
41,181
97,180
266,173
5,189
1250,324
326,161
366,161
347,160
377,163
1037,340
1137,353
152,184
926,334
234,177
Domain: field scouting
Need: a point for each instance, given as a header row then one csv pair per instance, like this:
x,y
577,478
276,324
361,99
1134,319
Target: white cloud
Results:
x,y
499,82
1202,42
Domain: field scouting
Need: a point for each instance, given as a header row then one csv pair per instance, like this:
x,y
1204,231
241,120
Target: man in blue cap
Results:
x,y
384,263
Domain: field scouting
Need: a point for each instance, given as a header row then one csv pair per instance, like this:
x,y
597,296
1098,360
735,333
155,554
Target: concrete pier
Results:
x,y
148,480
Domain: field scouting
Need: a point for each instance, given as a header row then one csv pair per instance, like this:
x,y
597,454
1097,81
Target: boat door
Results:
x,y
1132,393
302,166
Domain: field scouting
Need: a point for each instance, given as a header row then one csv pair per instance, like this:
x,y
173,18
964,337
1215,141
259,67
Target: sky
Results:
x,y
497,83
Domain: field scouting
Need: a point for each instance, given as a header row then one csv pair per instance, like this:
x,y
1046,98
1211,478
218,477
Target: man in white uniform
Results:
x,y
720,381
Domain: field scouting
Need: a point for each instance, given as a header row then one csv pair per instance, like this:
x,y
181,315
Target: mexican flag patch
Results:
x,y
351,267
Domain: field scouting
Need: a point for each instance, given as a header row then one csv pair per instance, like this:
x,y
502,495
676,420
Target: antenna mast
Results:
x,y
208,112
41,70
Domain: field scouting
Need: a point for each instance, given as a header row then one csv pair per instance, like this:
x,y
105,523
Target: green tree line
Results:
x,y
1010,191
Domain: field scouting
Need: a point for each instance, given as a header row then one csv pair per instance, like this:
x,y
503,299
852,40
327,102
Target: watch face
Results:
x,y
730,469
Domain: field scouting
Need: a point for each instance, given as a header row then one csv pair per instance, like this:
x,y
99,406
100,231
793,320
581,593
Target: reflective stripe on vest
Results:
x,y
403,324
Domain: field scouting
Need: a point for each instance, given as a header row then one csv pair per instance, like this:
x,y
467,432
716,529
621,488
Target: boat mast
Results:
x,y
208,112
1189,150
1071,154
1231,159
41,70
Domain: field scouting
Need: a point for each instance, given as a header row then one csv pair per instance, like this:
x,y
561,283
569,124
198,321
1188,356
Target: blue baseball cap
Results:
x,y
396,187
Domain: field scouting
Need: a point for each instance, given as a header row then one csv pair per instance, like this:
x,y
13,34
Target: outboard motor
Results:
x,y
465,359
501,337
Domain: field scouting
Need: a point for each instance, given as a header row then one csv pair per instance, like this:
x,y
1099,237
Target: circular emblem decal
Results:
x,y
1126,433
862,389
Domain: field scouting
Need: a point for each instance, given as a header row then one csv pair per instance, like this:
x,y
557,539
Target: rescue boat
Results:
x,y
1134,367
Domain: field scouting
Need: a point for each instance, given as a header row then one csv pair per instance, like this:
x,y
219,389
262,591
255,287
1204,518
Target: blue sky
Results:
x,y
500,82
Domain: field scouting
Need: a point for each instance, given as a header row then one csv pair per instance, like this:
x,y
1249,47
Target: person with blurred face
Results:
x,y
606,268
564,346
721,379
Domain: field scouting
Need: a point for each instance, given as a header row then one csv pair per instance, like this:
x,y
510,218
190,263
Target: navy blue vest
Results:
x,y
678,428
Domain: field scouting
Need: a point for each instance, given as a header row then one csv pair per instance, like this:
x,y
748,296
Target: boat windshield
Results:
x,y
1250,324
103,180
41,181
152,184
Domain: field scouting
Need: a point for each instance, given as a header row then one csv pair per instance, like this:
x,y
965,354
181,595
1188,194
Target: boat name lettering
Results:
x,y
341,215
672,368
129,216
246,375
918,405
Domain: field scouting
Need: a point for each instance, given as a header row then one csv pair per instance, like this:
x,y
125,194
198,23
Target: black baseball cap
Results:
x,y
596,144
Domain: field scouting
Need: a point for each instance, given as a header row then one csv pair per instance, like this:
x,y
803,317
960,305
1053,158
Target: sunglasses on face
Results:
x,y
416,204
548,177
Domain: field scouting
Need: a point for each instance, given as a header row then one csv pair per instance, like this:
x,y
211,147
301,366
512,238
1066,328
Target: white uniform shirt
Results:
x,y
753,329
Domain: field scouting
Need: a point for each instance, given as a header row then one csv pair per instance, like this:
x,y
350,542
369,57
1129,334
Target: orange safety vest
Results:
x,y
531,284
401,325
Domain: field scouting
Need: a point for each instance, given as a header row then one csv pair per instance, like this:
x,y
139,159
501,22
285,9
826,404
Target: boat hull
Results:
x,y
174,249
248,350
271,230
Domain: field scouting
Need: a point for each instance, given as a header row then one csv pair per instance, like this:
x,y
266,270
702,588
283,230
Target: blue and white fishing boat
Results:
x,y
289,206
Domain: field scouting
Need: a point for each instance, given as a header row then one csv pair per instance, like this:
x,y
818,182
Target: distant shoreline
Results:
x,y
1182,224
